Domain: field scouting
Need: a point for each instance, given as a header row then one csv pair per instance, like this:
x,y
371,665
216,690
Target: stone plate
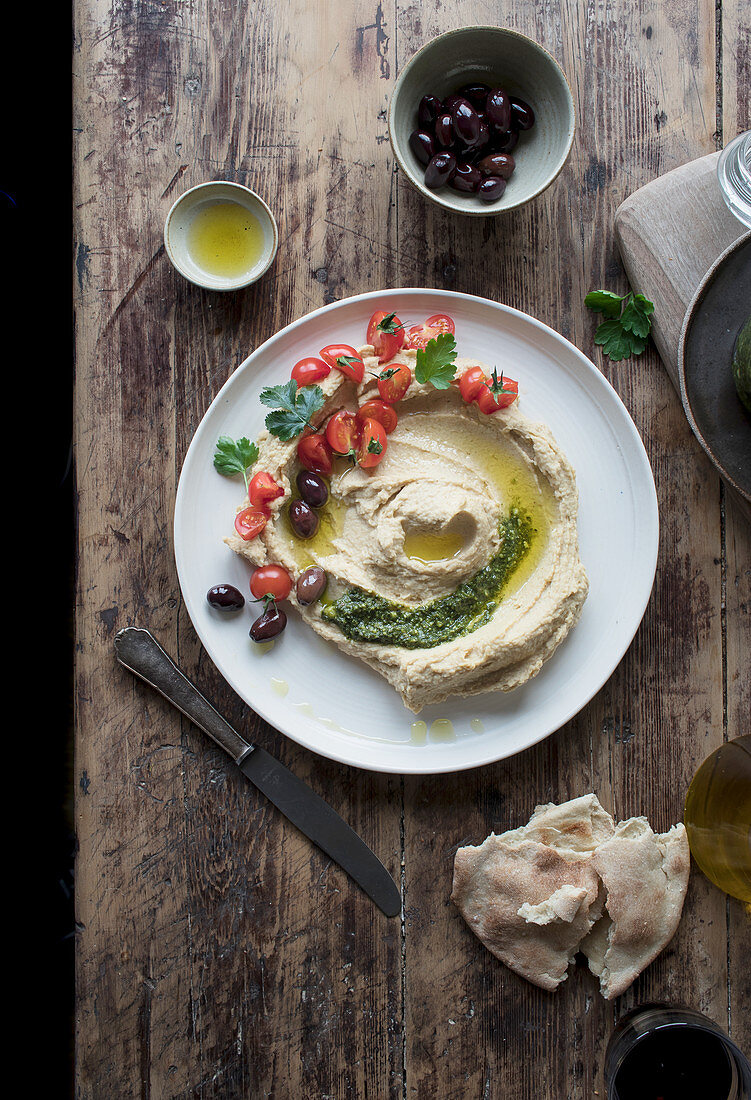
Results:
x,y
713,320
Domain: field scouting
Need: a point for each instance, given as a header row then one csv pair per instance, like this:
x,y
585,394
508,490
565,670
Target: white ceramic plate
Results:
x,y
332,703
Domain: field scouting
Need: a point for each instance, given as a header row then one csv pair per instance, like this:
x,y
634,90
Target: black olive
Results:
x,y
225,597
268,625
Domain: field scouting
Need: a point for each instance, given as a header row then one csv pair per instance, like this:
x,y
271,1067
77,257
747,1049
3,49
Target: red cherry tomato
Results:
x,y
442,322
315,454
250,522
263,488
270,580
493,397
346,359
380,411
393,382
420,335
470,383
373,444
343,432
307,371
386,334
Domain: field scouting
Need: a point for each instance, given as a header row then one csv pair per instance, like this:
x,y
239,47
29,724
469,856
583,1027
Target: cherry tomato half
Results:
x,y
373,444
491,398
442,322
386,334
315,454
470,383
270,580
263,488
250,522
420,335
393,382
343,432
380,411
307,371
346,359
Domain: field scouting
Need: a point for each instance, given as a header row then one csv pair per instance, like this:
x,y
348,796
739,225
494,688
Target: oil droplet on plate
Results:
x,y
306,709
279,687
262,647
419,733
442,730
477,725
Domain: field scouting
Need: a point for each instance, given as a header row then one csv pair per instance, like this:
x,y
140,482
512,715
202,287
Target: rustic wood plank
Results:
x,y
473,1028
230,958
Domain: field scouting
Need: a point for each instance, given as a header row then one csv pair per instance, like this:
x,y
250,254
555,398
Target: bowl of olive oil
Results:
x,y
221,236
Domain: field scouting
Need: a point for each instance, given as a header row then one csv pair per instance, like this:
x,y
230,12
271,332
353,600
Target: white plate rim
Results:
x,y
649,518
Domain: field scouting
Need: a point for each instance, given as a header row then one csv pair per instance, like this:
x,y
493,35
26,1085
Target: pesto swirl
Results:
x,y
366,617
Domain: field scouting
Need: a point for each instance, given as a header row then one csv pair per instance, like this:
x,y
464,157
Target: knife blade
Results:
x,y
138,650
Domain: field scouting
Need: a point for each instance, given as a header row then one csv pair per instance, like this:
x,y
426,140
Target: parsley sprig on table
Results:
x,y
626,329
235,456
435,362
292,408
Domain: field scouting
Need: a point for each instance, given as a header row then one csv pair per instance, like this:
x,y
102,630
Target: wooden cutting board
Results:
x,y
670,232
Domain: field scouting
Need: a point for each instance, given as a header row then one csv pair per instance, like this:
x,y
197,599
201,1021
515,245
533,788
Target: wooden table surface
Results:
x,y
219,954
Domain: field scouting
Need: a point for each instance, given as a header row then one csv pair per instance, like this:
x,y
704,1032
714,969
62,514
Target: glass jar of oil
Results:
x,y
718,817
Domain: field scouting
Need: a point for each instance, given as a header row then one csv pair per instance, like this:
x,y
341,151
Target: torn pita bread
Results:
x,y
645,876
496,881
572,880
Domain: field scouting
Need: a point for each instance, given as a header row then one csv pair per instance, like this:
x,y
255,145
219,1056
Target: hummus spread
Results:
x,y
453,565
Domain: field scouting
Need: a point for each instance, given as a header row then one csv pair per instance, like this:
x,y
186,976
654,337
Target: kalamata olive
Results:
x,y
311,584
429,109
225,597
505,141
491,188
268,625
498,109
466,178
497,164
444,130
466,122
476,94
522,115
303,519
422,145
450,100
440,170
313,489
483,141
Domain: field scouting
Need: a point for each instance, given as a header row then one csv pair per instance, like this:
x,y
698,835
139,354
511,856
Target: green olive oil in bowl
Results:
x,y
225,239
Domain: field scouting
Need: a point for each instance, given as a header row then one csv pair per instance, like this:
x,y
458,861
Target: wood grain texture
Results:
x,y
219,955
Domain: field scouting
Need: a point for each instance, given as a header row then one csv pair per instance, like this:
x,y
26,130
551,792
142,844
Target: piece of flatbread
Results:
x,y
528,903
570,880
645,875
576,826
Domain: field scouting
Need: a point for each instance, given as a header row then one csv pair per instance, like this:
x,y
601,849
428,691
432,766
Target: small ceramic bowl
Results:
x,y
180,235
498,57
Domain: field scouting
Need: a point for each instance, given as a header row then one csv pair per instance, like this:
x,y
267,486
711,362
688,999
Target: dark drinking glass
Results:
x,y
658,1052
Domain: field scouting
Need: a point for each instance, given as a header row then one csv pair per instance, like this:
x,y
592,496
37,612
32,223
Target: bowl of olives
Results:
x,y
481,120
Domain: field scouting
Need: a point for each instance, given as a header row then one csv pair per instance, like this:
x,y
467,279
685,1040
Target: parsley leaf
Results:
x,y
604,301
435,363
292,408
234,456
626,330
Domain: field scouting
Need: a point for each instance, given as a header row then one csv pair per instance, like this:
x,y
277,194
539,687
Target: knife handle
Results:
x,y
139,651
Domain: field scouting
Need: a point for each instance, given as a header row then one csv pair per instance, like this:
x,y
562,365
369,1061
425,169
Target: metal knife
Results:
x,y
138,651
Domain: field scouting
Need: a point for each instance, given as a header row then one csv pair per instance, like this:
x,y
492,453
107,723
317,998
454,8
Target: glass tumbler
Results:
x,y
663,1052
